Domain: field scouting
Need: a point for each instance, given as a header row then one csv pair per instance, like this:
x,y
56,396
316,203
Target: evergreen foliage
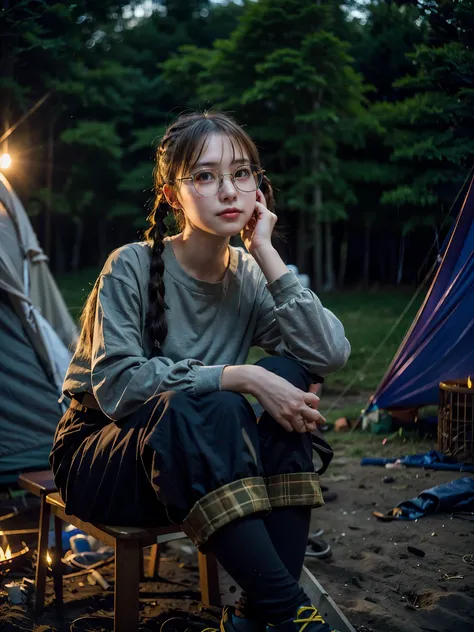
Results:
x,y
363,114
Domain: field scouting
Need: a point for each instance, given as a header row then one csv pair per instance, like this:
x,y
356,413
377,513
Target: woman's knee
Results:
x,y
229,400
291,370
212,408
224,400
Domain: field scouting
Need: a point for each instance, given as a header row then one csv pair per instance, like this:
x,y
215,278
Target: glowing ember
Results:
x,y
5,555
469,382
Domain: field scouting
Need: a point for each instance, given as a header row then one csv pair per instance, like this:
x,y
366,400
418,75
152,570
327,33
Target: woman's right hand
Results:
x,y
291,407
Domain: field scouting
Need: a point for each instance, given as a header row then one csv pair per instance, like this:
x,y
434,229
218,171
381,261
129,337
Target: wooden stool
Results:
x,y
127,542
40,484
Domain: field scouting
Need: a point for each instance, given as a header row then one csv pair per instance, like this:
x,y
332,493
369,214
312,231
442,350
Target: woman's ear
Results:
x,y
171,196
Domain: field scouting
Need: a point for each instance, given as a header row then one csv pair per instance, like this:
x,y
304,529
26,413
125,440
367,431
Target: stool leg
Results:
x,y
57,562
154,561
209,579
41,562
127,585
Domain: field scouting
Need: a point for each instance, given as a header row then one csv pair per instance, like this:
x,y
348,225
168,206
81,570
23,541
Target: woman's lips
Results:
x,y
230,215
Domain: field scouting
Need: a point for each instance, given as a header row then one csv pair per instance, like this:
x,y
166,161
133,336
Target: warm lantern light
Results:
x,y
49,559
469,382
5,161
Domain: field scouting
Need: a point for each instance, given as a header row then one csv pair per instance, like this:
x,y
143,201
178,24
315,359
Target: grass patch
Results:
x,y
351,411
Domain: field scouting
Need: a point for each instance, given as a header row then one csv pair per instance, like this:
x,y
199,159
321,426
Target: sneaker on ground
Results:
x,y
308,619
229,622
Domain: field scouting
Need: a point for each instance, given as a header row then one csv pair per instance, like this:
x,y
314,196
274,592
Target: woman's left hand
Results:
x,y
258,232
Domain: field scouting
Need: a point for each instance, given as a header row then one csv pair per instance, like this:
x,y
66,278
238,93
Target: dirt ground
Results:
x,y
376,581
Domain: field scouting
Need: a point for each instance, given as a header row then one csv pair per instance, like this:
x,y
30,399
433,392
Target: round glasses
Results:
x,y
208,181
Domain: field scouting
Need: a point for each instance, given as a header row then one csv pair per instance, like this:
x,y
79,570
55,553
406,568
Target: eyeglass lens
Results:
x,y
247,179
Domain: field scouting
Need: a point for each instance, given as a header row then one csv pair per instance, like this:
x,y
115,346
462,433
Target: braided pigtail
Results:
x,y
156,324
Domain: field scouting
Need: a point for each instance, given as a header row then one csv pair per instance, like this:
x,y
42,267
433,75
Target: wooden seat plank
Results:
x,y
146,536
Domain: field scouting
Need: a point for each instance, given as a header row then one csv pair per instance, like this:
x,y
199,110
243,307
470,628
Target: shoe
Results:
x,y
307,619
229,622
318,548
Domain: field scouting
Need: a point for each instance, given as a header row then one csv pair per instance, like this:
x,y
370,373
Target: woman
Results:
x,y
158,428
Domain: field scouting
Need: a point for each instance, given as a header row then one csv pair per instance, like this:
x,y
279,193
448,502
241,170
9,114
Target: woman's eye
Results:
x,y
243,172
205,176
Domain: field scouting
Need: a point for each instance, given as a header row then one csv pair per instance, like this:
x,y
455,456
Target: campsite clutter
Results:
x,y
432,459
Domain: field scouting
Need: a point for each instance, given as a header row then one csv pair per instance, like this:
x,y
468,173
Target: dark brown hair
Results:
x,y
180,149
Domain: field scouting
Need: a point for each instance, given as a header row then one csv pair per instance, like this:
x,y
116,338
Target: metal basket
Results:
x,y
456,420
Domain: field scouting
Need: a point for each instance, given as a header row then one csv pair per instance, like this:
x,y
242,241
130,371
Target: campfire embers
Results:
x,y
456,419
10,556
9,560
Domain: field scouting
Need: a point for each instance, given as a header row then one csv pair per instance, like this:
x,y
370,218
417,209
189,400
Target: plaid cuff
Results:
x,y
291,490
223,505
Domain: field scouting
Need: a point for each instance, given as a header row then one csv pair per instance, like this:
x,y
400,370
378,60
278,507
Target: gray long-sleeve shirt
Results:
x,y
210,325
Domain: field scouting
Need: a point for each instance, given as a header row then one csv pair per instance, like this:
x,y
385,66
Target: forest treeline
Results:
x,y
363,114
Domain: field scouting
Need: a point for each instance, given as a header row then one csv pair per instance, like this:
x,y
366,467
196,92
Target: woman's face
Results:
x,y
207,212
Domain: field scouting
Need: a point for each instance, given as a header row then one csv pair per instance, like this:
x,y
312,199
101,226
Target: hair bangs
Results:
x,y
194,140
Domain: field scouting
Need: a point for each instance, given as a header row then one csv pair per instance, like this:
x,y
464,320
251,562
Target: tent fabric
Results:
x,y
20,251
37,335
29,408
440,344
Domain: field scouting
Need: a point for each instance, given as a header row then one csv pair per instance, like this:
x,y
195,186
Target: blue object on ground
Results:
x,y
66,537
457,495
432,460
79,543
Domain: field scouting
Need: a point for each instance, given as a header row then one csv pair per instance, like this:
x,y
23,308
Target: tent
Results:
x,y
440,343
36,338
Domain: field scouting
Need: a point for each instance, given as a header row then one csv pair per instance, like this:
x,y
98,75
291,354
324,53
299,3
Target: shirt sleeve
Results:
x,y
122,377
292,322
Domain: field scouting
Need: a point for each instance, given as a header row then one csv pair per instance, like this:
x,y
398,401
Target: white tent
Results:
x,y
37,335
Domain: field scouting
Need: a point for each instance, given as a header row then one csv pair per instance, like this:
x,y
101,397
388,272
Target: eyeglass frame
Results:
x,y
191,177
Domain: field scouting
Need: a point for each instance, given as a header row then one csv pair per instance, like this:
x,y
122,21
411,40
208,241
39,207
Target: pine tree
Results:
x,y
432,129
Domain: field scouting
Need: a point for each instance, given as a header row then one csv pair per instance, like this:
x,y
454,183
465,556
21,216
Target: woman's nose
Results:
x,y
228,188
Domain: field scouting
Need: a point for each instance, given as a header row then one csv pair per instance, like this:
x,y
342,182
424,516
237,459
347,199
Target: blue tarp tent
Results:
x,y
440,343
